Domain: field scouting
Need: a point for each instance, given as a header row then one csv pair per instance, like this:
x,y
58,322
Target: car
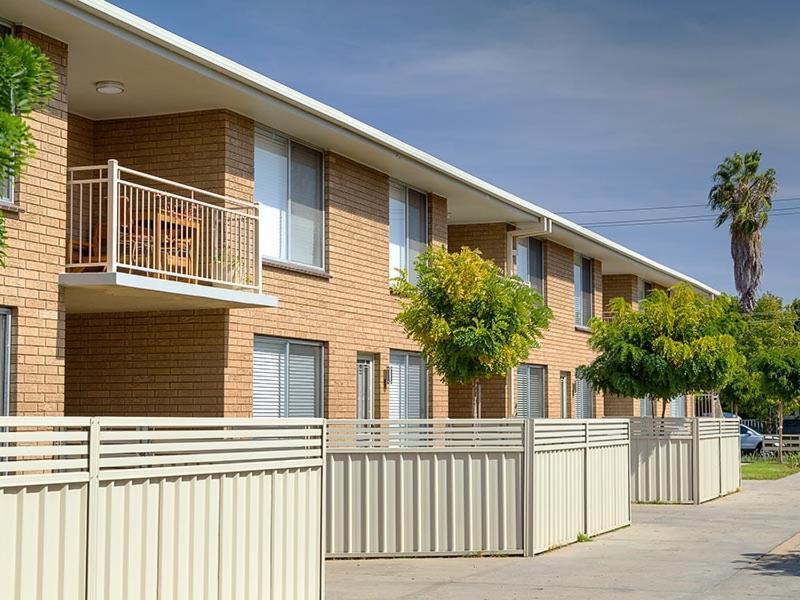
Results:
x,y
751,440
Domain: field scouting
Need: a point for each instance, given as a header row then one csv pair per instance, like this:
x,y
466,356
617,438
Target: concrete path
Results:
x,y
740,547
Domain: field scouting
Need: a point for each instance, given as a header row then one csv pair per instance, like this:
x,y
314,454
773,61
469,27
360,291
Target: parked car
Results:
x,y
751,440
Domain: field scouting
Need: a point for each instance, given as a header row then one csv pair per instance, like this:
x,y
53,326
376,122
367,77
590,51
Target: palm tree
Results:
x,y
744,197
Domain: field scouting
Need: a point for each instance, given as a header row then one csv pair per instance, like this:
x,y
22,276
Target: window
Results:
x,y
7,185
408,228
287,378
530,391
5,361
288,185
365,396
645,287
530,262
584,399
645,407
408,386
582,278
677,406
564,391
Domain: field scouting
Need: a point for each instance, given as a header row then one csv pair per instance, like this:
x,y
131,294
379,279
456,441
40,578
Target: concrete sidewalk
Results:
x,y
743,546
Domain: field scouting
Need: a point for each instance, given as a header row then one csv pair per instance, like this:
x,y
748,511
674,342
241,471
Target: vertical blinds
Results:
x,y
530,391
288,185
530,256
408,394
5,361
584,399
677,406
408,228
287,378
364,396
582,280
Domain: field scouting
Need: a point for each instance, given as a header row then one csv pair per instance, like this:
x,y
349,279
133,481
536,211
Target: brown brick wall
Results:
x,y
620,286
563,346
350,310
165,363
36,249
146,364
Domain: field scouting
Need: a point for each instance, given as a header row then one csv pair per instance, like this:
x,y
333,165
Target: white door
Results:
x,y
408,393
365,397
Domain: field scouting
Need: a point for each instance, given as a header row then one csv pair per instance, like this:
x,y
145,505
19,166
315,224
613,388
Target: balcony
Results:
x,y
140,242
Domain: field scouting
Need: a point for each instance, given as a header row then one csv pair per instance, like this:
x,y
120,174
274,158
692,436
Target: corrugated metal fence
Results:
x,y
684,460
161,508
455,487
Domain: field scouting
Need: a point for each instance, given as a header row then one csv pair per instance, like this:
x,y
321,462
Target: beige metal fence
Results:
x,y
683,460
455,487
161,508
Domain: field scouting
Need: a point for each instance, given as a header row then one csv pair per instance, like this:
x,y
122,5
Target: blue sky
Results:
x,y
572,105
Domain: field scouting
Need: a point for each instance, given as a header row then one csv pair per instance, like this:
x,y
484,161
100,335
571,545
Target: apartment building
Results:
x,y
193,238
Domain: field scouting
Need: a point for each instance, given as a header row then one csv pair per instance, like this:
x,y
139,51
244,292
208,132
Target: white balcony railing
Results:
x,y
119,219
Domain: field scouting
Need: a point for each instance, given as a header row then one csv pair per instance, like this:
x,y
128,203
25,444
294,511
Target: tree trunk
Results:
x,y
476,400
663,408
780,432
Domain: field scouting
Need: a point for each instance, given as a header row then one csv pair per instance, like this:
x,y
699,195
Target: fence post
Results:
x,y
719,454
586,477
324,507
92,517
529,440
696,460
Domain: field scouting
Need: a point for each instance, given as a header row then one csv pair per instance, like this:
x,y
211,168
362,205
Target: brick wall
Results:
x,y
563,347
350,309
163,363
620,286
36,250
146,364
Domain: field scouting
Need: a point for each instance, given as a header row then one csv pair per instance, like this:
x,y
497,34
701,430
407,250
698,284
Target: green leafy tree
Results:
x,y
780,373
675,344
769,339
743,198
470,321
27,82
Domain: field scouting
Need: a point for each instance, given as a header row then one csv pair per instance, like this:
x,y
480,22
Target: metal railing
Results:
x,y
124,220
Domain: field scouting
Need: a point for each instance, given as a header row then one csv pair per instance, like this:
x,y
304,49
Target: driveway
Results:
x,y
744,546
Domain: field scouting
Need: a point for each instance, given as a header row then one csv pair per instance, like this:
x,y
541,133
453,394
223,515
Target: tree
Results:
x,y
743,197
674,345
470,321
27,82
768,339
780,372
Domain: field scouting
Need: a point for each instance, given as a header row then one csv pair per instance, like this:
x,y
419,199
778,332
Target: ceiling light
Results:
x,y
109,87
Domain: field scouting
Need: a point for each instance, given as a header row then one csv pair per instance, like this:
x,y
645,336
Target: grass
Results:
x,y
768,469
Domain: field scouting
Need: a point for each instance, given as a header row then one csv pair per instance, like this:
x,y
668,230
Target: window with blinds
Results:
x,y
582,279
6,185
530,391
287,378
408,386
677,406
530,262
645,407
408,228
5,361
288,186
584,399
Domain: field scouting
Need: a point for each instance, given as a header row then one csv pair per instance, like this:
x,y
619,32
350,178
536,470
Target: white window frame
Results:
x,y
526,277
425,400
543,370
7,188
427,234
577,282
5,357
263,129
288,342
368,411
